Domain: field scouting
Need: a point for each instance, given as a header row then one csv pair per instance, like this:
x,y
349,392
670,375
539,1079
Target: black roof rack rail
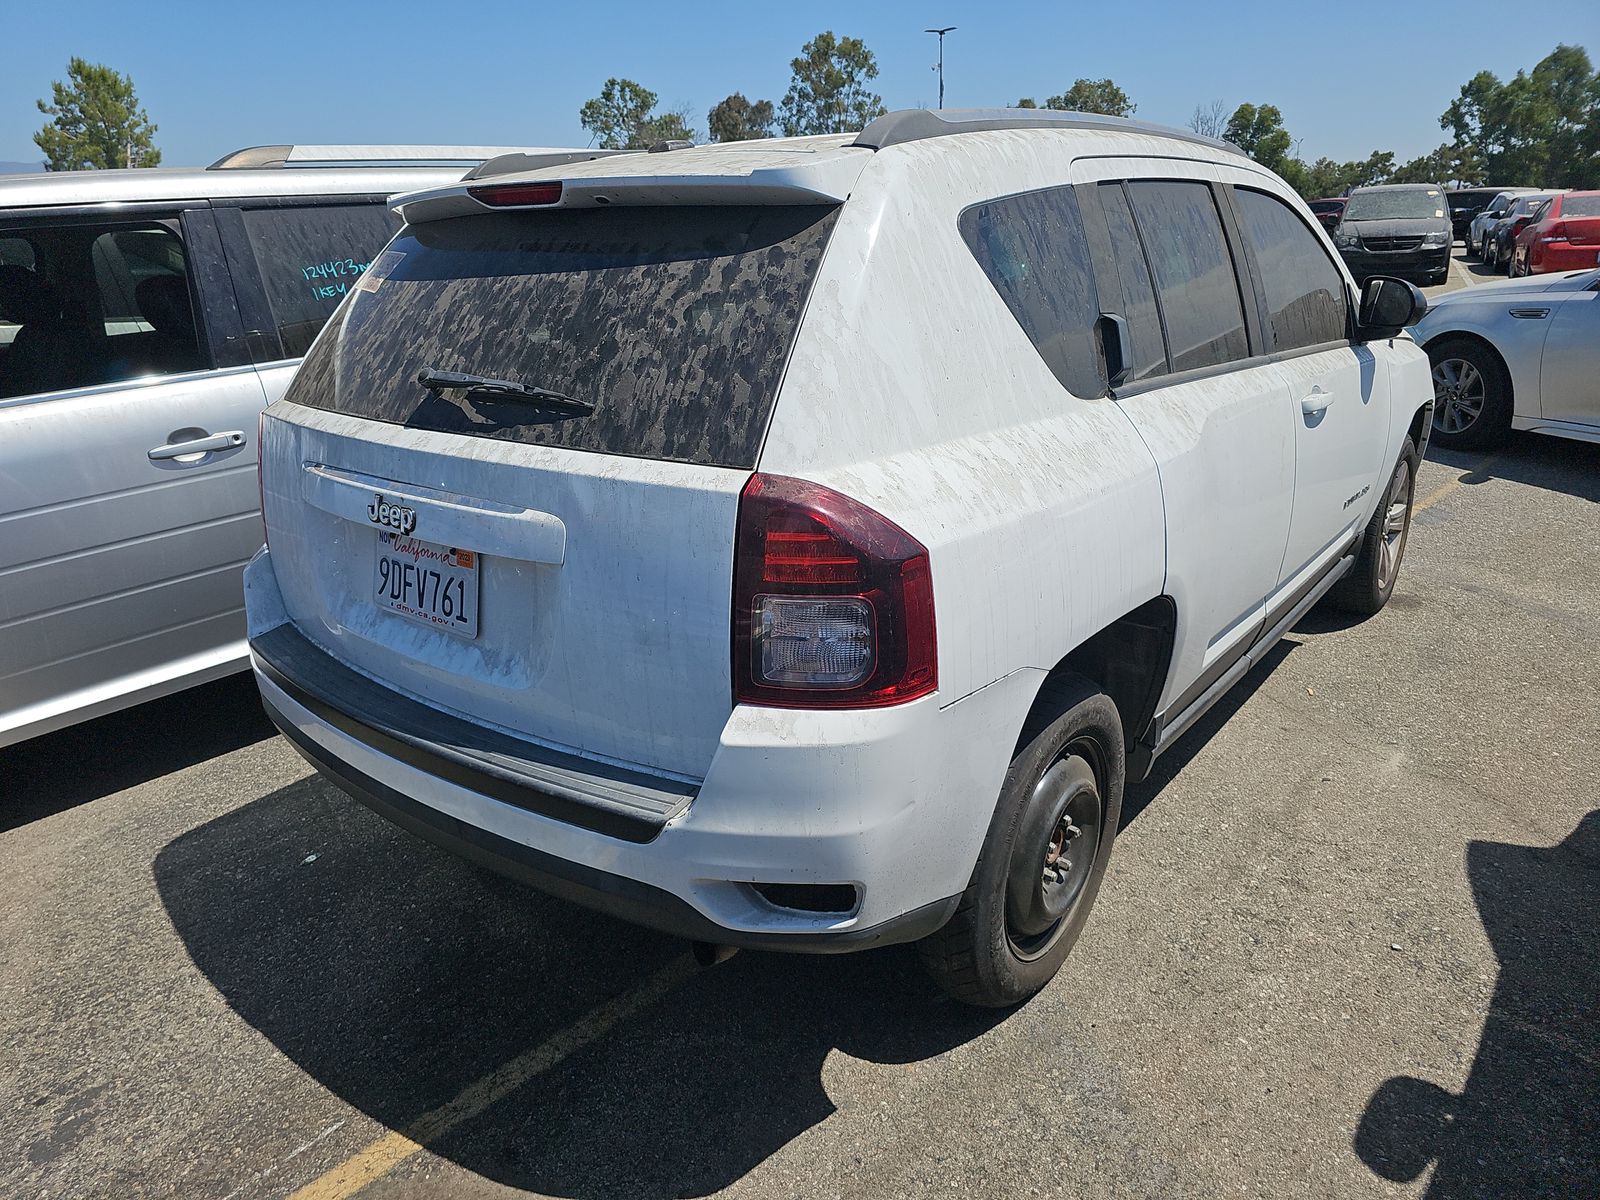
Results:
x,y
919,124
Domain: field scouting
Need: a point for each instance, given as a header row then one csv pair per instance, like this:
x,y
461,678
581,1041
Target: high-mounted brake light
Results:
x,y
832,603
516,195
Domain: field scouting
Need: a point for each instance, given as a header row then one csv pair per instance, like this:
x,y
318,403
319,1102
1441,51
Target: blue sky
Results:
x,y
217,76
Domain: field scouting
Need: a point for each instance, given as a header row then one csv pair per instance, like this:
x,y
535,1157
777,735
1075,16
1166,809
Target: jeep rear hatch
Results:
x,y
590,610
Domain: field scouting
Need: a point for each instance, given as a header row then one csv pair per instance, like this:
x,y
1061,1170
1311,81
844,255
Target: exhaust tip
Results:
x,y
709,954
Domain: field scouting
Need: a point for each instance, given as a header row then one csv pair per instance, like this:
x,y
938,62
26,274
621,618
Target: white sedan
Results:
x,y
1515,354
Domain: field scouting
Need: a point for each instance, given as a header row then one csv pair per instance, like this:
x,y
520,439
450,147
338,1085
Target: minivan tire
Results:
x,y
1022,912
1491,390
1382,548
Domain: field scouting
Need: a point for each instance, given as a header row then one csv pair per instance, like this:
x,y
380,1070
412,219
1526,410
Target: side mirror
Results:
x,y
1118,345
1388,306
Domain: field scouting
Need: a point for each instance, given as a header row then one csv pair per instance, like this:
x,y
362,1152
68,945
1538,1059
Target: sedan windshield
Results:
x,y
1395,205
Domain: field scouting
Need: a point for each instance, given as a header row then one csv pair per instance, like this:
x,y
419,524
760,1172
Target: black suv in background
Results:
x,y
1397,229
1466,203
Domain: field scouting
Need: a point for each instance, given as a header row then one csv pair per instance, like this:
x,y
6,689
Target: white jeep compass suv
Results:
x,y
797,544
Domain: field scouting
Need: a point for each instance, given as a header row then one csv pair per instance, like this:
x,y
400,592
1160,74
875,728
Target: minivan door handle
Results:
x,y
231,440
1316,402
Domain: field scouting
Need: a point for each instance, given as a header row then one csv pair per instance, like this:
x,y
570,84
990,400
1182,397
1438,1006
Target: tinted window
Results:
x,y
310,257
1032,248
675,323
1304,291
1581,206
1138,303
1193,271
94,304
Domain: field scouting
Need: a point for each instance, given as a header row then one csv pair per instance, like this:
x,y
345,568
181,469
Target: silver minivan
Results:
x,y
146,318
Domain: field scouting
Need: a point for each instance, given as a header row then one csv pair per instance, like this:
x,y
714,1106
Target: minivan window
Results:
x,y
1399,204
1129,265
100,304
1032,248
309,257
1304,291
674,323
1194,272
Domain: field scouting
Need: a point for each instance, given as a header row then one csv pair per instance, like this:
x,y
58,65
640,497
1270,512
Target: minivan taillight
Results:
x,y
832,603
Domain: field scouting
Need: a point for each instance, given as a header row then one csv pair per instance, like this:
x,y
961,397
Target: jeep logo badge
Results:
x,y
395,516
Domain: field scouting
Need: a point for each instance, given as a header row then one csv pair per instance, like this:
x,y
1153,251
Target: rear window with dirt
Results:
x,y
674,324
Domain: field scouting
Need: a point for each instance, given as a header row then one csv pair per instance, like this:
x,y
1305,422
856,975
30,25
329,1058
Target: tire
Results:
x,y
1370,583
1472,249
1488,254
1471,395
1022,912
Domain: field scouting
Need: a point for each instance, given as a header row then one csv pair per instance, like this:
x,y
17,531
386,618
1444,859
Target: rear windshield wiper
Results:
x,y
501,389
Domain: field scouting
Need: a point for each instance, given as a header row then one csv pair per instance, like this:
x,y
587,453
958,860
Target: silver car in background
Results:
x,y
146,318
1515,354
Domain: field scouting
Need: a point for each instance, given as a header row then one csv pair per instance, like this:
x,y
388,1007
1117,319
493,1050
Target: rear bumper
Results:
x,y
895,802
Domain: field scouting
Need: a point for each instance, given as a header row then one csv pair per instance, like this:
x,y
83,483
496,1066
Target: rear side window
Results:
x,y
310,257
675,323
1306,304
1193,270
1032,248
1138,290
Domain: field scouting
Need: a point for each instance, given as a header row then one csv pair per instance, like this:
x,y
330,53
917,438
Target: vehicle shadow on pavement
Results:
x,y
58,771
397,976
1139,796
1527,1122
1534,459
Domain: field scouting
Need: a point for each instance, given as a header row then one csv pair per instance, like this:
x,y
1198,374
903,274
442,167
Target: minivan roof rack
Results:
x,y
919,124
256,157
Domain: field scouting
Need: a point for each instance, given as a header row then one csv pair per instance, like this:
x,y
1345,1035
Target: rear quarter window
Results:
x,y
1033,249
310,257
674,322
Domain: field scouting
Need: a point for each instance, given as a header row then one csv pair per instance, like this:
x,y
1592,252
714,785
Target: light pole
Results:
x,y
940,68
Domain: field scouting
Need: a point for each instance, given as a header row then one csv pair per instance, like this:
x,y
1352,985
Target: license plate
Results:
x,y
433,584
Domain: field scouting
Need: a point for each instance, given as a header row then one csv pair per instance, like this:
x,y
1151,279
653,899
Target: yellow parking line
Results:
x,y
1444,489
388,1152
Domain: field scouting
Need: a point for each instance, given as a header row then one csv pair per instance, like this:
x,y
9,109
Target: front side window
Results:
x,y
1305,294
1032,248
309,257
1194,272
1138,289
82,305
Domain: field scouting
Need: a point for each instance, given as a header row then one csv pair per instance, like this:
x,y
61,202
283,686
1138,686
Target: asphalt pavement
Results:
x,y
1349,946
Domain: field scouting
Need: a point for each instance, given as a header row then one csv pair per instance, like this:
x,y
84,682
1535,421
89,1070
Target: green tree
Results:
x,y
739,120
623,117
1538,128
1259,132
830,88
95,121
1092,96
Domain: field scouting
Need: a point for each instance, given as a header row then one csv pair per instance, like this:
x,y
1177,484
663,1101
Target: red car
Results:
x,y
1563,236
1328,211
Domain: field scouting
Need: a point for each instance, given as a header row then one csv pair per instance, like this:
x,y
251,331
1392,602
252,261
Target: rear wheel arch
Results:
x,y
1129,659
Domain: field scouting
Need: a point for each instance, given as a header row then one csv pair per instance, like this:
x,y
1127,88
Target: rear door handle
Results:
x,y
1316,402
230,440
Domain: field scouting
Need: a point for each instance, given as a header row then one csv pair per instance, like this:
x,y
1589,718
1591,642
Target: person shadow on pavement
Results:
x,y
1527,1122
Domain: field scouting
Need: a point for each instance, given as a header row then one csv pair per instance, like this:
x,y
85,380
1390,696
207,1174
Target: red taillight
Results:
x,y
1555,233
516,195
832,603
261,466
